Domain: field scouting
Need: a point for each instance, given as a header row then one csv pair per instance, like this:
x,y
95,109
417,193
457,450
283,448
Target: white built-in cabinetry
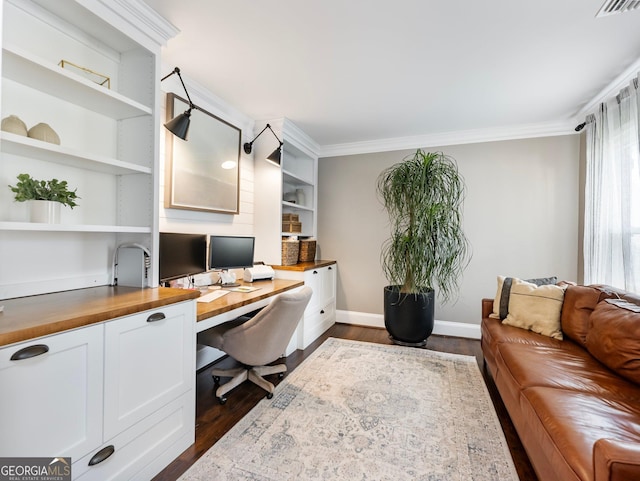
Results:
x,y
108,137
320,314
117,397
298,171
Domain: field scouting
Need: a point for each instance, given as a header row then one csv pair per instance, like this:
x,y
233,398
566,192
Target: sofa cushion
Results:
x,y
614,337
536,308
564,365
579,303
573,422
501,301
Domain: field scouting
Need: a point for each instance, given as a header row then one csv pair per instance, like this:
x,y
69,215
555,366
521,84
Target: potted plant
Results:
x,y
45,196
423,196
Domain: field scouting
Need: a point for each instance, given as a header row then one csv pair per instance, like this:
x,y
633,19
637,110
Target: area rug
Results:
x,y
359,411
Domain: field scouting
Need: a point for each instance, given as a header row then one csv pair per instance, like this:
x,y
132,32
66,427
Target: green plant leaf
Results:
x,y
28,188
424,196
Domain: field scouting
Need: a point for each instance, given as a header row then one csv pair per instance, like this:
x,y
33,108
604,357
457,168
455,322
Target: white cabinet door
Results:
x,y
149,361
323,283
51,395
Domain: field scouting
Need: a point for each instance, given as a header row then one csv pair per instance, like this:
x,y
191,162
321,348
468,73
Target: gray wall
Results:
x,y
520,215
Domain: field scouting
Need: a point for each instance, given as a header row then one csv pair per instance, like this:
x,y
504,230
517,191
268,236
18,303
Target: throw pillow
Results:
x,y
536,308
501,301
614,337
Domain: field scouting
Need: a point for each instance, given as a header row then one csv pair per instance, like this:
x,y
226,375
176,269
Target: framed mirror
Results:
x,y
203,172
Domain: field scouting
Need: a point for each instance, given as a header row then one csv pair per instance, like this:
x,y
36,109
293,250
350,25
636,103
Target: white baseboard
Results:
x,y
441,328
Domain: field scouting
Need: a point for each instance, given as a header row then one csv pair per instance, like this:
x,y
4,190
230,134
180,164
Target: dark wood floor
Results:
x,y
214,420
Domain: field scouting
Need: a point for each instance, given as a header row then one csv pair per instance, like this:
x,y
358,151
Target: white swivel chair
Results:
x,y
257,342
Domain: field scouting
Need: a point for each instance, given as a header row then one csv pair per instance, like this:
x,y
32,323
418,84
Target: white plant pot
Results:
x,y
45,211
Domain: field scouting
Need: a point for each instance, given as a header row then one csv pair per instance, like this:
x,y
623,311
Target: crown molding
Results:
x,y
143,18
548,129
611,90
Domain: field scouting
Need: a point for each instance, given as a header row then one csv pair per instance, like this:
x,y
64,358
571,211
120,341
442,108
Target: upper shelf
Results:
x,y
291,178
37,149
27,69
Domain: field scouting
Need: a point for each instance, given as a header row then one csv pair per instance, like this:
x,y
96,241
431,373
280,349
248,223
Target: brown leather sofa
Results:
x,y
575,403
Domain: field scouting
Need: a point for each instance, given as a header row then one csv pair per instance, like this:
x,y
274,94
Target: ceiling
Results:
x,y
366,70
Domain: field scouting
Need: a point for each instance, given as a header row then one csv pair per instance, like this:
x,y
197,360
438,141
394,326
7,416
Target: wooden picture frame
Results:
x,y
203,172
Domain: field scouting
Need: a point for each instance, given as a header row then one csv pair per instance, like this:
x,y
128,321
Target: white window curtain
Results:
x,y
612,192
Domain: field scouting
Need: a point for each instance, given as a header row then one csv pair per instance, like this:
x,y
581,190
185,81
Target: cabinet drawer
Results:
x,y
149,361
144,449
51,401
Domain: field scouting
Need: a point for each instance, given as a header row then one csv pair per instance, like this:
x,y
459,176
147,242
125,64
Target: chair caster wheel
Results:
x,y
269,395
222,400
281,375
216,379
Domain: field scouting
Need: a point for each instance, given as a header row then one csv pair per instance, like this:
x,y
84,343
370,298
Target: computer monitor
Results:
x,y
182,255
230,252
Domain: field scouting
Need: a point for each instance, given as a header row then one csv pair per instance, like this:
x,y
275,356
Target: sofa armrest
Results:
x,y
487,307
615,460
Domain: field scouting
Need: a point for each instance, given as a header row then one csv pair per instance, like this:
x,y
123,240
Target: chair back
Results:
x,y
264,338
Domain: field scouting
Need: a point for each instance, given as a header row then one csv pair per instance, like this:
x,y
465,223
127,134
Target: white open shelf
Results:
x,y
37,149
29,70
31,226
291,178
296,206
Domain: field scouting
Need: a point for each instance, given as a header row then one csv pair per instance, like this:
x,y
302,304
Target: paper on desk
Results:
x,y
243,289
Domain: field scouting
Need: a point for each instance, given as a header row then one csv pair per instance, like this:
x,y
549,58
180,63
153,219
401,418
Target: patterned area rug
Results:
x,y
359,411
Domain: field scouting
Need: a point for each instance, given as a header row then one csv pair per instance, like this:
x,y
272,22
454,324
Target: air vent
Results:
x,y
611,7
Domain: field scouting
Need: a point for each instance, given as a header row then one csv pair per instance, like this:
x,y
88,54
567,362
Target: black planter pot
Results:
x,y
409,317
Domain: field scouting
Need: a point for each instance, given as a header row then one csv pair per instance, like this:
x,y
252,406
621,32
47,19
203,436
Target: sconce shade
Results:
x,y
179,125
275,156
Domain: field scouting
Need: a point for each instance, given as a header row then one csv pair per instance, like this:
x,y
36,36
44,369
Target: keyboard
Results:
x,y
212,296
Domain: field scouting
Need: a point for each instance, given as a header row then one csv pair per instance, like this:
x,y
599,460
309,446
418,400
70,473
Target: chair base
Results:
x,y
240,374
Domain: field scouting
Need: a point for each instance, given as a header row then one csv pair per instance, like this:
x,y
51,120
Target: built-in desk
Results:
x,y
31,317
235,304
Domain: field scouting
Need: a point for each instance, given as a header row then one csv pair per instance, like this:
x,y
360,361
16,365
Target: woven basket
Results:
x,y
286,217
307,251
290,250
292,227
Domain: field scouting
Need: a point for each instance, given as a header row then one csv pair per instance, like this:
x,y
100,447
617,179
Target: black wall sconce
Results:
x,y
274,157
179,125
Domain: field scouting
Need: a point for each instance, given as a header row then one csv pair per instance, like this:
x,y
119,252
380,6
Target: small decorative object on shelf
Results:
x,y
45,133
53,191
300,200
15,125
292,227
84,72
290,197
290,249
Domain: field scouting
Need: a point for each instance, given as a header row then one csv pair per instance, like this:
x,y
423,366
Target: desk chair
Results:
x,y
257,342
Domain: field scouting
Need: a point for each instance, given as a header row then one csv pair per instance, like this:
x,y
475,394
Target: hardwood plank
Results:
x,y
214,420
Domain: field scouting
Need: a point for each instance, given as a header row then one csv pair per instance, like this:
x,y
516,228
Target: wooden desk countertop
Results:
x,y
233,300
305,266
36,316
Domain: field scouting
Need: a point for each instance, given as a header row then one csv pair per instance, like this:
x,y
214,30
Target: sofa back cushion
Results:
x,y
614,337
579,303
